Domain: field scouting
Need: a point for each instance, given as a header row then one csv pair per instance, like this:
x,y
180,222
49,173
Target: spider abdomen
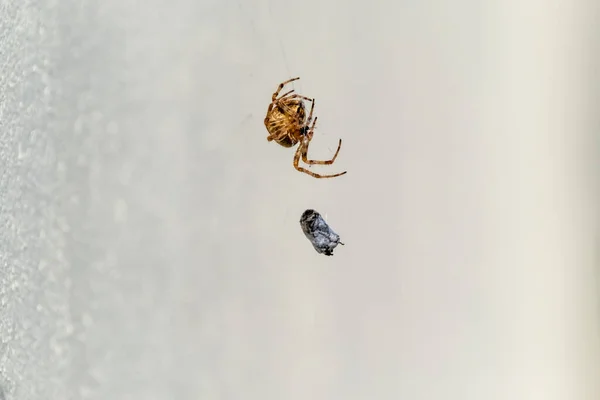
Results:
x,y
283,126
287,141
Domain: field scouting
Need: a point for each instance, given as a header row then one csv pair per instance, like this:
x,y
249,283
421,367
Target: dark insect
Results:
x,y
322,237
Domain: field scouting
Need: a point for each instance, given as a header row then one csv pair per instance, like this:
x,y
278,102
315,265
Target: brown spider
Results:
x,y
287,125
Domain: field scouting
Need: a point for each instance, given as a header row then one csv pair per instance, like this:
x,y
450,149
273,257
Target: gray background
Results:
x,y
150,245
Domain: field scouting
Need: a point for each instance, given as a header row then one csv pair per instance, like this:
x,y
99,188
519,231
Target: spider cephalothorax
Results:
x,y
287,125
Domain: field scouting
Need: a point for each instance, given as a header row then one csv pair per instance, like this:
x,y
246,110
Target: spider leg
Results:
x,y
285,94
298,96
294,96
281,85
310,114
299,152
287,108
305,149
317,162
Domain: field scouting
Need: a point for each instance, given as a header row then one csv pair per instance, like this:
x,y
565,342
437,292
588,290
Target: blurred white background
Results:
x,y
150,245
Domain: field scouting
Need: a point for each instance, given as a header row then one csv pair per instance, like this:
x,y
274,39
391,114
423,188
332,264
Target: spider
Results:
x,y
287,125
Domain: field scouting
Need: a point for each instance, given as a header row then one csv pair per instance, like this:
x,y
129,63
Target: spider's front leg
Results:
x,y
281,85
284,104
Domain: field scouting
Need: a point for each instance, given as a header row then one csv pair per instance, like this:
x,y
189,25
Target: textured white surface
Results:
x,y
150,246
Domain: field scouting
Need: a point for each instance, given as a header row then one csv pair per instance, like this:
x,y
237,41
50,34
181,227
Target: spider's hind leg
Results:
x,y
317,162
301,151
305,149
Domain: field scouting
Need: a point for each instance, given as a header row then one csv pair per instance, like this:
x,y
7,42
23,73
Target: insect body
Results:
x,y
322,237
287,125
